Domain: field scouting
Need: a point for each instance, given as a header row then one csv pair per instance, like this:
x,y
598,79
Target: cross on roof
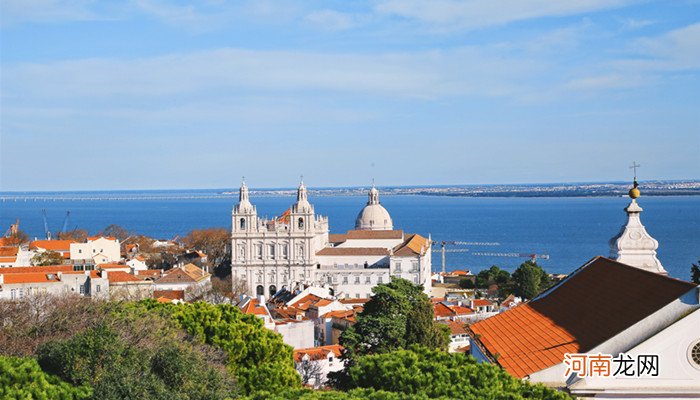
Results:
x,y
634,166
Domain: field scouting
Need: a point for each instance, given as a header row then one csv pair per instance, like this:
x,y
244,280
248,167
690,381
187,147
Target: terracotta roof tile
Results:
x,y
30,277
121,276
46,269
169,294
318,353
189,273
413,245
337,237
53,245
597,302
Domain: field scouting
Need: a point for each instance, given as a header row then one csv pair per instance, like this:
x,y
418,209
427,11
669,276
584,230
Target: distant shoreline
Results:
x,y
554,190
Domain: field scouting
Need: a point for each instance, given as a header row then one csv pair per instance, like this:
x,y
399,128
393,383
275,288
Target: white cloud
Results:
x,y
474,14
14,12
429,74
333,20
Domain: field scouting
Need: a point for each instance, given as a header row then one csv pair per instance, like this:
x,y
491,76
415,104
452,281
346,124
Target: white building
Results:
x,y
315,363
96,250
295,250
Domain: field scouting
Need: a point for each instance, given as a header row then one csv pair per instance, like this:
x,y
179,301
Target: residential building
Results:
x,y
190,278
61,247
96,250
317,362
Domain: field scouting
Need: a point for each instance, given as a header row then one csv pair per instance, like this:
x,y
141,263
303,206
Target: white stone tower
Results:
x,y
633,245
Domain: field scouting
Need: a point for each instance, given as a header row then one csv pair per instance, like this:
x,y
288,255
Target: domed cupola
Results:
x,y
374,216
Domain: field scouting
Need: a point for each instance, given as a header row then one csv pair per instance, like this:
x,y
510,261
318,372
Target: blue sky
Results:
x,y
168,94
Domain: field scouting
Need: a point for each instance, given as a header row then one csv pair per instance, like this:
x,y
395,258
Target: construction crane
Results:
x,y
47,232
532,256
444,250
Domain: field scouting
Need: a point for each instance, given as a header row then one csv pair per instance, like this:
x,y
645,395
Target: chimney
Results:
x,y
2,279
104,274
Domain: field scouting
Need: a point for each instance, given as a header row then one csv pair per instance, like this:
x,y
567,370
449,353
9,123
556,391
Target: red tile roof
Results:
x,y
446,310
456,328
47,269
92,238
169,294
318,353
481,303
305,302
54,245
30,277
255,308
189,273
598,301
121,276
112,266
337,237
413,245
353,251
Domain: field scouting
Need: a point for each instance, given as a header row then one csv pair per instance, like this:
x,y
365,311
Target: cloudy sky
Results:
x,y
168,94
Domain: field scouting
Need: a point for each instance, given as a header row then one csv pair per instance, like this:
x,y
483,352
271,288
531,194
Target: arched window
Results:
x,y
273,290
301,223
242,223
260,290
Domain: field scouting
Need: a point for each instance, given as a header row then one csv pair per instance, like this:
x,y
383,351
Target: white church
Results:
x,y
295,250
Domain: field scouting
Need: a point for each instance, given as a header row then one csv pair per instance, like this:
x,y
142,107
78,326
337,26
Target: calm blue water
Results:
x,y
570,230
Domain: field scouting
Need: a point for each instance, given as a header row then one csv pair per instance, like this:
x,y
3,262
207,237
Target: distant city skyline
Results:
x,y
149,94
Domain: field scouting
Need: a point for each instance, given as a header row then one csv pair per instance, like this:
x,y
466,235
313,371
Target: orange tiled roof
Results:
x,y
353,251
30,277
481,303
362,300
9,251
121,276
456,328
446,310
149,272
305,302
323,303
47,269
5,241
255,308
53,245
189,273
318,353
598,301
459,272
413,245
169,294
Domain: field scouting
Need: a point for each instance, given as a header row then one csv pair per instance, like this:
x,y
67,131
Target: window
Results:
x,y
271,250
345,280
357,280
242,223
285,251
21,292
357,295
13,294
414,266
380,280
82,290
241,252
258,251
368,279
694,354
97,288
301,223
260,290
80,250
330,279
398,266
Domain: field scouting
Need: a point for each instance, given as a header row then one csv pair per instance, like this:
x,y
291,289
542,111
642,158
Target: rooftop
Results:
x,y
596,302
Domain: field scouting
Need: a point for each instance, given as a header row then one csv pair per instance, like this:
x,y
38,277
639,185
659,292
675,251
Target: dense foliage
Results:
x,y
695,273
398,315
530,279
419,371
47,258
22,378
257,357
119,367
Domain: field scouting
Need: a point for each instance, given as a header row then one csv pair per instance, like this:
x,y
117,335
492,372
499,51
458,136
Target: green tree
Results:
x,y
257,357
116,369
421,372
466,283
530,279
398,315
493,275
45,258
22,378
695,273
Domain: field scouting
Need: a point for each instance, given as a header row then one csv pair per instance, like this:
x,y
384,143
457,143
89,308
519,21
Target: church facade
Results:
x,y
295,250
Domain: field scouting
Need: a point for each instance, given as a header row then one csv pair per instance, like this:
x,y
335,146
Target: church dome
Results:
x,y
374,216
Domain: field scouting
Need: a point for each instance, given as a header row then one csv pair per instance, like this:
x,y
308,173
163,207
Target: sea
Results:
x,y
569,230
